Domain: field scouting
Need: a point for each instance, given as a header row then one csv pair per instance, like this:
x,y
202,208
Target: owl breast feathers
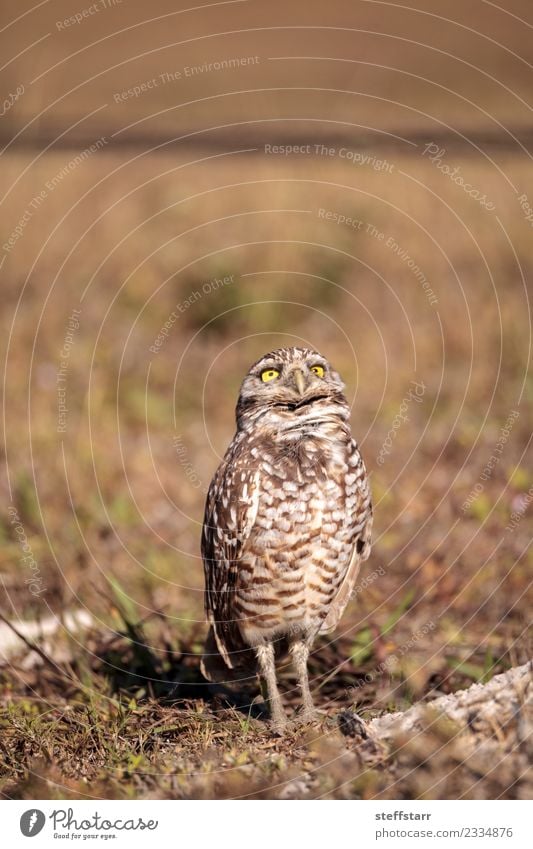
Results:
x,y
288,514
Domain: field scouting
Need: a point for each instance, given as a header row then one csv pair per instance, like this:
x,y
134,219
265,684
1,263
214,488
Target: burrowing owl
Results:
x,y
287,522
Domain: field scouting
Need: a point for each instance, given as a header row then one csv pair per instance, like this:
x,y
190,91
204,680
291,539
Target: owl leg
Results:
x,y
300,653
267,670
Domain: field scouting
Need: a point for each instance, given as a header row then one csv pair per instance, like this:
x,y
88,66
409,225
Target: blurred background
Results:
x,y
185,188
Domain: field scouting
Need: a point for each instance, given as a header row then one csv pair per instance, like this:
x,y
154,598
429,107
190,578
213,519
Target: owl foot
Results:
x,y
279,725
309,715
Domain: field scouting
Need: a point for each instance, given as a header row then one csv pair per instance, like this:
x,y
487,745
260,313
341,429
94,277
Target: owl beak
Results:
x,y
299,380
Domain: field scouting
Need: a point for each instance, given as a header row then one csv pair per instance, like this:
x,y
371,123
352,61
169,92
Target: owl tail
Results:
x,y
215,664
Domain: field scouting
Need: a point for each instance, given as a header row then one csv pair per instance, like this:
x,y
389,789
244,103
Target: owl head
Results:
x,y
286,383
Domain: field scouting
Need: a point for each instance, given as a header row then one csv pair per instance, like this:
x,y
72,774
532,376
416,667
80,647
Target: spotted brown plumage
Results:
x,y
287,522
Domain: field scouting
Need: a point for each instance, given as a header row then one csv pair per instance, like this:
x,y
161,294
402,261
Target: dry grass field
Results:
x,y
137,288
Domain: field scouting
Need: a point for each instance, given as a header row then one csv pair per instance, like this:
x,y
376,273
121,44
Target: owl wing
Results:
x,y
361,515
230,513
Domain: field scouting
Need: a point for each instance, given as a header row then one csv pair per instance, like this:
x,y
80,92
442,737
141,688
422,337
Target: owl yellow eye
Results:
x,y
269,374
319,370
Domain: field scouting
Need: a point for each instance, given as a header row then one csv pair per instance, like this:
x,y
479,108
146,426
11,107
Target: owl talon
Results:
x,y
308,716
287,522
